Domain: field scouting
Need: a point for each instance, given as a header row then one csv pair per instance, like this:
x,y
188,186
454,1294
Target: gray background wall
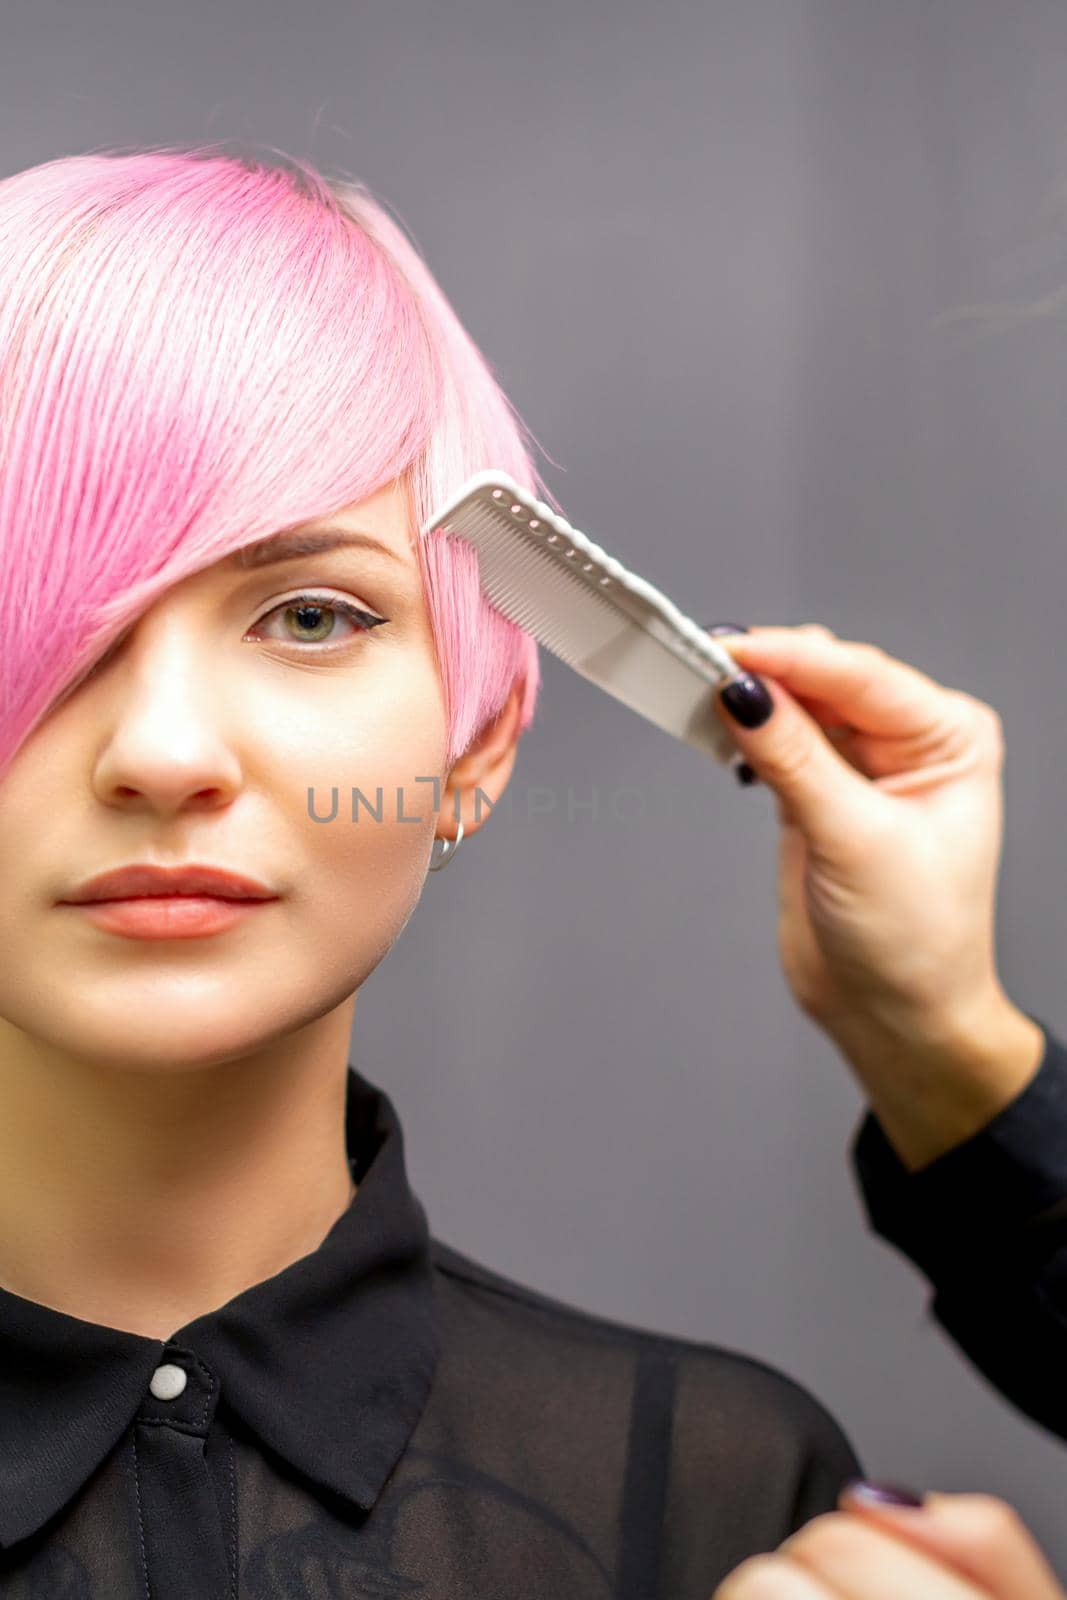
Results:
x,y
752,214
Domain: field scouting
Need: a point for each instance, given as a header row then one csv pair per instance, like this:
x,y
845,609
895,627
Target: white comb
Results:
x,y
609,625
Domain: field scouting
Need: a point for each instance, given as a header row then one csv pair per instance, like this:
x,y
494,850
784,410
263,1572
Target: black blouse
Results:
x,y
386,1418
987,1224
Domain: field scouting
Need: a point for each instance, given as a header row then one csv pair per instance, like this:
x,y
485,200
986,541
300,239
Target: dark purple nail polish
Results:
x,y
724,627
748,700
745,774
884,1494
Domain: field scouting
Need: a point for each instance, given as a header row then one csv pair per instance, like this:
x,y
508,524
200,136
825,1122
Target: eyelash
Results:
x,y
322,602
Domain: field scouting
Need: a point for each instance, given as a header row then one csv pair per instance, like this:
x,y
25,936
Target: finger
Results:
x,y
835,805
859,683
982,1537
861,1561
773,1577
826,715
846,741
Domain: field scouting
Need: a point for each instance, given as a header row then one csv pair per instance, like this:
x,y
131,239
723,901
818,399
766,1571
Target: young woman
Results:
x,y
233,1360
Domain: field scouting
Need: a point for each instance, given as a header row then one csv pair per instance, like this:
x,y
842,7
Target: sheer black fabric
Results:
x,y
987,1224
386,1417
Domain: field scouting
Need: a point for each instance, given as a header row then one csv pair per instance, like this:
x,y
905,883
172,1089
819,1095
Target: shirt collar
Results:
x,y
329,1362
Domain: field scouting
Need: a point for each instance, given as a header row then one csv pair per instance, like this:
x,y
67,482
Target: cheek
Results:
x,y
344,749
38,818
369,792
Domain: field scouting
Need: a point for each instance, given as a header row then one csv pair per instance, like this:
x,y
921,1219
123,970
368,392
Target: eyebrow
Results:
x,y
289,546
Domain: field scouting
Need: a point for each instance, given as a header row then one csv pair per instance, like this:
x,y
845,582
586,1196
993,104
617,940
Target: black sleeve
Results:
x,y
987,1224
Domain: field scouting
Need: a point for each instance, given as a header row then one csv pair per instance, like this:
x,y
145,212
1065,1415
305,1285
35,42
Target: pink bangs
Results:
x,y
198,349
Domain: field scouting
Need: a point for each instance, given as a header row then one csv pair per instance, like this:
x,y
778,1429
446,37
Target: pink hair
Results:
x,y
198,348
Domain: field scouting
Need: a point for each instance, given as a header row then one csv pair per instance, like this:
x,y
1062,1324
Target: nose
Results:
x,y
164,743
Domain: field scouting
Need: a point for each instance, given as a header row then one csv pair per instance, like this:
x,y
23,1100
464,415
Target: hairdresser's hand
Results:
x,y
890,800
954,1547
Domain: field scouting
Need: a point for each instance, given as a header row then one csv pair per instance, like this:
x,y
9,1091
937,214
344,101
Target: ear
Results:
x,y
485,765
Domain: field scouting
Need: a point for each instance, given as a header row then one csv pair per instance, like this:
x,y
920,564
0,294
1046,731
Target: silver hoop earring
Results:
x,y
449,851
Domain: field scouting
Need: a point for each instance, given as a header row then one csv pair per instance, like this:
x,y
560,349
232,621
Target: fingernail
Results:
x,y
725,627
748,700
884,1494
745,774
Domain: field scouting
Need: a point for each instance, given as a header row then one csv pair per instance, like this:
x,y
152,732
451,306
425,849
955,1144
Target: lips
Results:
x,y
146,880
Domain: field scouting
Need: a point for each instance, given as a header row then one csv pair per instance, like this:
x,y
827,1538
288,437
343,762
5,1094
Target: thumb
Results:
x,y
976,1535
817,788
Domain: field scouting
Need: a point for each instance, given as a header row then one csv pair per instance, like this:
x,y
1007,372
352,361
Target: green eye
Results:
x,y
310,614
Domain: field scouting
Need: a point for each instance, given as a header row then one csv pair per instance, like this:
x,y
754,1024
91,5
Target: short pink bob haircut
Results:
x,y
198,348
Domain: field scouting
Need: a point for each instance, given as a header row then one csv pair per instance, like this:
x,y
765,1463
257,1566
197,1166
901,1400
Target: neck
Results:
x,y
143,1197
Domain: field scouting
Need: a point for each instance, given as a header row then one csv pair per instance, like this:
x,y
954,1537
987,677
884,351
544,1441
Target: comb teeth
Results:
x,y
526,579
605,622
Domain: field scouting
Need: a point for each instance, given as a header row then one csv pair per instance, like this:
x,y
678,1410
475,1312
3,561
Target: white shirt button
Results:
x,y
168,1381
